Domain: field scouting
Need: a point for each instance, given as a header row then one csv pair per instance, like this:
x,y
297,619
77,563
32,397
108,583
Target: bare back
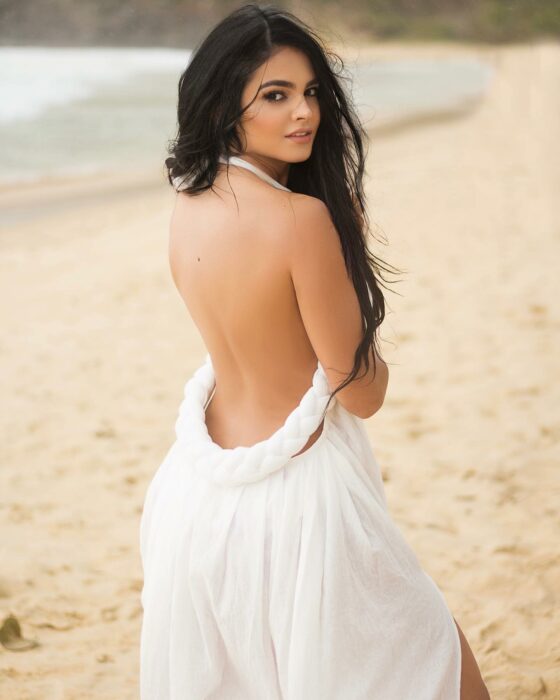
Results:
x,y
230,265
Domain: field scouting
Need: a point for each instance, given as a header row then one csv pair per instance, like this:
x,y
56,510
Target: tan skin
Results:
x,y
267,285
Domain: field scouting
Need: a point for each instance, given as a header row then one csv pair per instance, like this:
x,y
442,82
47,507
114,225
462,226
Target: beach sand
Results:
x,y
97,346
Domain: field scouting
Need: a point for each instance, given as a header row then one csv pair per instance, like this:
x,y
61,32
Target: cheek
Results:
x,y
267,118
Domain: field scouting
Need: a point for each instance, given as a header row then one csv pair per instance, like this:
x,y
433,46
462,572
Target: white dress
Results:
x,y
272,577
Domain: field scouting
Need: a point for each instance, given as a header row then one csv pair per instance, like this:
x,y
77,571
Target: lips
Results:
x,y
301,132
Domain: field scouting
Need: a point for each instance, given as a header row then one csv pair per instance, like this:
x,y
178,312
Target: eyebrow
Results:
x,y
285,83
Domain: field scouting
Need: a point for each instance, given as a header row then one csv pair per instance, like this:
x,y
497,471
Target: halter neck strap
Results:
x,y
236,160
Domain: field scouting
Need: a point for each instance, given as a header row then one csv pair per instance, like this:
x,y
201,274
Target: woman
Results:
x,y
272,568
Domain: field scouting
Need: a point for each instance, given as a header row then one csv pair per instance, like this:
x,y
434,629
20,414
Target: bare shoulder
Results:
x,y
310,210
312,233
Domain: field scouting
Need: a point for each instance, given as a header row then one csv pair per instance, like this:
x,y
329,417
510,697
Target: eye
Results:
x,y
270,95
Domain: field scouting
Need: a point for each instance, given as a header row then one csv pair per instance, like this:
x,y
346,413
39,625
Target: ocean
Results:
x,y
68,111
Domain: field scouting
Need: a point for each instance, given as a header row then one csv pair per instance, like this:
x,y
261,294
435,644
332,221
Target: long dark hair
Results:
x,y
209,110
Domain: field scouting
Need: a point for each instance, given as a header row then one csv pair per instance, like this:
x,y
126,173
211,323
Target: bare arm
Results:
x,y
330,308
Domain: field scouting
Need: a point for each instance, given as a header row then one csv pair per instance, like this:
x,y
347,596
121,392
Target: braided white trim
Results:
x,y
242,465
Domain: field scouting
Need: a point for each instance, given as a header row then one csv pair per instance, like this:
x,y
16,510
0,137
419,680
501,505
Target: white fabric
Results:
x,y
181,182
235,160
271,577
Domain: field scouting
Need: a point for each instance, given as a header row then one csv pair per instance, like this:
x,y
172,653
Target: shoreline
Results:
x,y
52,194
100,180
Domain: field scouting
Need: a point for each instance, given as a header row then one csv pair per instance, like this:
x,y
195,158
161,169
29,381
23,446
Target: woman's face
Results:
x,y
286,100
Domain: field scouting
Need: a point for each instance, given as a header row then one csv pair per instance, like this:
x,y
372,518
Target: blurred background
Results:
x,y
88,85
461,101
174,23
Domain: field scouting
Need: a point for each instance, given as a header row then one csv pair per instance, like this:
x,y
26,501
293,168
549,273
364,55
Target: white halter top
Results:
x,y
180,184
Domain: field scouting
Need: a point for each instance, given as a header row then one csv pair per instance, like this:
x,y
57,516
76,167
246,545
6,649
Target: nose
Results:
x,y
302,109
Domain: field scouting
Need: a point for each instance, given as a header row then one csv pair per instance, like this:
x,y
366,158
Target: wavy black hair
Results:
x,y
209,111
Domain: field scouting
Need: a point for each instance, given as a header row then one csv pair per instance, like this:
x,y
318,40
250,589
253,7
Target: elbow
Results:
x,y
367,402
362,409
372,408
378,395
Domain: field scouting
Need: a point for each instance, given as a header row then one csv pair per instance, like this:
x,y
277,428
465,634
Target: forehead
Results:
x,y
285,63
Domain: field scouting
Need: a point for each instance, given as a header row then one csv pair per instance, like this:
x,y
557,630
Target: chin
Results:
x,y
298,157
302,158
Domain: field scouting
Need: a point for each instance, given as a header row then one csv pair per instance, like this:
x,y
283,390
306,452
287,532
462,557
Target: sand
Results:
x,y
97,346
